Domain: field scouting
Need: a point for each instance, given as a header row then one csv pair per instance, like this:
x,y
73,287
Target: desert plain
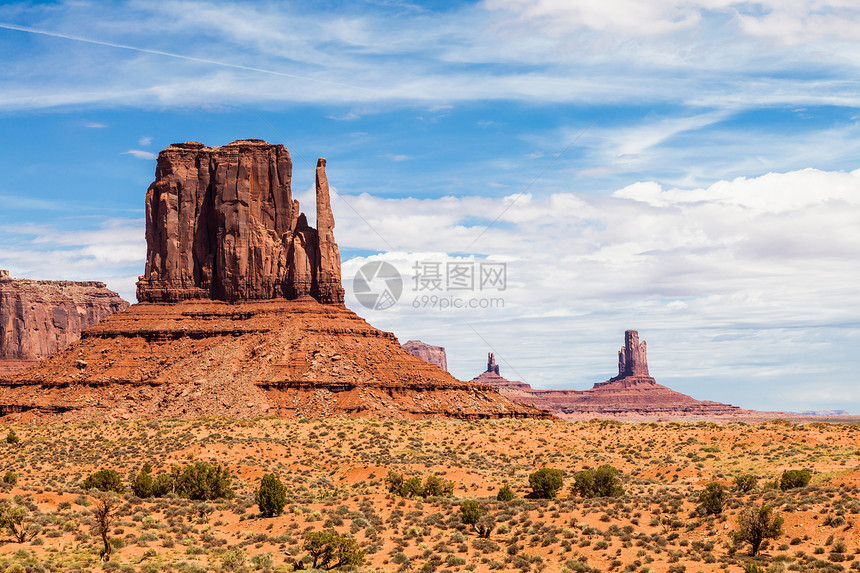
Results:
x,y
335,469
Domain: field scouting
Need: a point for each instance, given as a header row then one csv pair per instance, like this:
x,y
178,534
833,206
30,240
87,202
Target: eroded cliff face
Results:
x,y
221,224
38,318
432,354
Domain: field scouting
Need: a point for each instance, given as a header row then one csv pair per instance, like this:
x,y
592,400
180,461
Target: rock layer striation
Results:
x,y
221,224
38,318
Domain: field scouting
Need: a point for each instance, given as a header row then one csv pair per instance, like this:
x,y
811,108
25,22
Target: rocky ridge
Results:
x,y
432,354
633,393
38,318
241,315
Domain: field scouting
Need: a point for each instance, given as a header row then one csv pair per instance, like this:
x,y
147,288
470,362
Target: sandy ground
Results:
x,y
334,471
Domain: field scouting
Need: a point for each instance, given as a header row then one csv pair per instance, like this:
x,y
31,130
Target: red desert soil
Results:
x,y
334,471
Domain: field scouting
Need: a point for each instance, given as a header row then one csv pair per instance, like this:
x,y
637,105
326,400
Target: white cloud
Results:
x,y
707,52
141,154
144,141
690,268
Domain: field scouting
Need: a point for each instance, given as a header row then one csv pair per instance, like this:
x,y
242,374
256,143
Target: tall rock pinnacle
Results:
x,y
491,363
221,224
633,357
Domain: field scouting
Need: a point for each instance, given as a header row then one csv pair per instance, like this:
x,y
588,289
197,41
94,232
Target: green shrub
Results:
x,y
746,482
330,550
546,482
162,485
10,477
794,478
505,493
713,498
104,480
12,438
434,486
470,512
271,497
203,481
602,482
141,485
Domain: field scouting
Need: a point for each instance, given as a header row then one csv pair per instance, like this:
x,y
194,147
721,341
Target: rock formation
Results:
x,y
38,318
241,315
221,224
631,394
633,357
432,354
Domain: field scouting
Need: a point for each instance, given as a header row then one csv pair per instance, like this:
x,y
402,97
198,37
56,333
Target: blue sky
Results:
x,y
687,169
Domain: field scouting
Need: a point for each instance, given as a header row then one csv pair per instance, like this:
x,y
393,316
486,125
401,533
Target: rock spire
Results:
x,y
633,357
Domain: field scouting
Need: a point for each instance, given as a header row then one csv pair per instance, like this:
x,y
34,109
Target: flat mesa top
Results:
x,y
237,143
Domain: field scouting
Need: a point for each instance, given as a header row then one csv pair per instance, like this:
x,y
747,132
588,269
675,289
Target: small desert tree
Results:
x,y
746,482
104,480
202,481
546,482
271,497
104,514
471,514
330,550
18,522
713,498
602,482
12,438
757,524
141,485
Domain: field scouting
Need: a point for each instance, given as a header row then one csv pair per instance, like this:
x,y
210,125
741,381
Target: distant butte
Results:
x,y
633,393
241,314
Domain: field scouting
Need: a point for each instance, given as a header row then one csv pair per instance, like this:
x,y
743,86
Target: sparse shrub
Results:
x,y
271,497
794,478
757,524
546,482
505,493
712,498
753,568
104,480
602,482
330,550
12,438
10,477
746,482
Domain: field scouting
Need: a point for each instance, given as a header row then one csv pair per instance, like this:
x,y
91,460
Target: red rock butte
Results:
x,y
241,314
633,393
